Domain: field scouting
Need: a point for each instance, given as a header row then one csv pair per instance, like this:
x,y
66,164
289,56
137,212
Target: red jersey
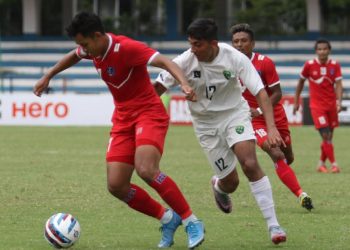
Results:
x,y
322,78
268,74
124,69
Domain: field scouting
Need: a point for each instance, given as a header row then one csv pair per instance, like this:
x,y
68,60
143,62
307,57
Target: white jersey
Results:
x,y
217,83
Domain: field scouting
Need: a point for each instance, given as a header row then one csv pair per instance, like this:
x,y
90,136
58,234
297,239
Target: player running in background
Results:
x,y
221,116
140,122
325,88
244,41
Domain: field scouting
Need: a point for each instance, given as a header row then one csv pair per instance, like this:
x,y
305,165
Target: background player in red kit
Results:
x,y
140,122
243,40
326,88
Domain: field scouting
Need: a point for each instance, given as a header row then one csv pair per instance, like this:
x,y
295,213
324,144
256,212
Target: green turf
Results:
x,y
44,170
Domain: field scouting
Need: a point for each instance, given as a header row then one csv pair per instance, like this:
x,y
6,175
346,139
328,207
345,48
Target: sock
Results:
x,y
141,201
167,216
192,217
171,194
329,150
287,176
262,192
323,156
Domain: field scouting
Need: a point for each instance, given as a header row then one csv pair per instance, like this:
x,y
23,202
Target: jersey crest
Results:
x,y
227,74
110,71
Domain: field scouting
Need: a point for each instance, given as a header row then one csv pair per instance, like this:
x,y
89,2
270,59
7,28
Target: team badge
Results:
x,y
239,129
110,71
227,74
331,71
196,74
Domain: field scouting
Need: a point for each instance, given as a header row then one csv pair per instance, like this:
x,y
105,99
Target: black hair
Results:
x,y
203,29
243,27
86,24
322,40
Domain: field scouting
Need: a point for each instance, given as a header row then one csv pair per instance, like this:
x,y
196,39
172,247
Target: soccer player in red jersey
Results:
x,y
140,122
243,40
325,88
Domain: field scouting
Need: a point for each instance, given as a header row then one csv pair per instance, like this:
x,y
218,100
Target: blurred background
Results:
x,y
33,38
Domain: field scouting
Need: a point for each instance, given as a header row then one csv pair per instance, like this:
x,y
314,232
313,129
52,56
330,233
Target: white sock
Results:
x,y
262,192
321,163
190,218
167,216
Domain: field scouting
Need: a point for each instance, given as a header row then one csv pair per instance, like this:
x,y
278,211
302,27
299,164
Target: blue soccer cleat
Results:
x,y
195,233
168,231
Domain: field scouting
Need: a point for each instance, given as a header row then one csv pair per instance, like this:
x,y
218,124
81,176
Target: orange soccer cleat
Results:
x,y
335,169
322,169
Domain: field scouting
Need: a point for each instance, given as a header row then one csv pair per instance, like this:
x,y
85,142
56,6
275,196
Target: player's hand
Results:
x,y
274,138
254,112
295,108
41,86
189,93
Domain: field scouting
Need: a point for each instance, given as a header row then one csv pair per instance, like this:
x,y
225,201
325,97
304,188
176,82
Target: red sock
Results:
x,y
323,156
329,150
141,201
171,194
287,176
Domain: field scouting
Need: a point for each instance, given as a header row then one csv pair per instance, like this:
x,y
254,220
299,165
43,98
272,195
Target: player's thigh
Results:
x,y
152,130
121,146
333,118
221,158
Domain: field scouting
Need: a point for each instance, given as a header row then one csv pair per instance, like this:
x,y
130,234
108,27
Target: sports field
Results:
x,y
44,170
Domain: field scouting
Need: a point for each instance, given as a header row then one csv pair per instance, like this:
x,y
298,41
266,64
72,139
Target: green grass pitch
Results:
x,y
44,170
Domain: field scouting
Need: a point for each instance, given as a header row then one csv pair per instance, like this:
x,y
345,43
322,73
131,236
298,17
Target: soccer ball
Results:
x,y
62,230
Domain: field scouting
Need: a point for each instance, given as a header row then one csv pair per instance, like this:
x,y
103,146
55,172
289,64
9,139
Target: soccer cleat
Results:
x,y
335,169
168,231
195,233
306,201
277,234
322,169
223,201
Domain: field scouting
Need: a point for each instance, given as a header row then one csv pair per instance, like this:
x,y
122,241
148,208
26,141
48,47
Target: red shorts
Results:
x,y
325,118
125,136
260,130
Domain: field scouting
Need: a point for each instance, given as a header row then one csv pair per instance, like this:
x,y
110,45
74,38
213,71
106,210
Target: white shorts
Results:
x,y
217,141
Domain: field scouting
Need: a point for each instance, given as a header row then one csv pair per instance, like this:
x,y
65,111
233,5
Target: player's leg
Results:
x,y
149,148
260,187
325,122
121,148
118,183
223,162
303,198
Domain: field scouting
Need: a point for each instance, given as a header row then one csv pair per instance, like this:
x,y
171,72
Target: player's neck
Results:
x,y
323,60
214,54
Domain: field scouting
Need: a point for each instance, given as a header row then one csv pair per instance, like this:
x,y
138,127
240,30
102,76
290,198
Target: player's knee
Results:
x,y
118,190
290,159
146,173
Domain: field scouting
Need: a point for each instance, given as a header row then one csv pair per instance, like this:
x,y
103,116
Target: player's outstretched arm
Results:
x,y
339,94
298,90
163,62
67,61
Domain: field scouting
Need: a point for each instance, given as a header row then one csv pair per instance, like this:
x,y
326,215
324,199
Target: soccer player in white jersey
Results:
x,y
221,116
